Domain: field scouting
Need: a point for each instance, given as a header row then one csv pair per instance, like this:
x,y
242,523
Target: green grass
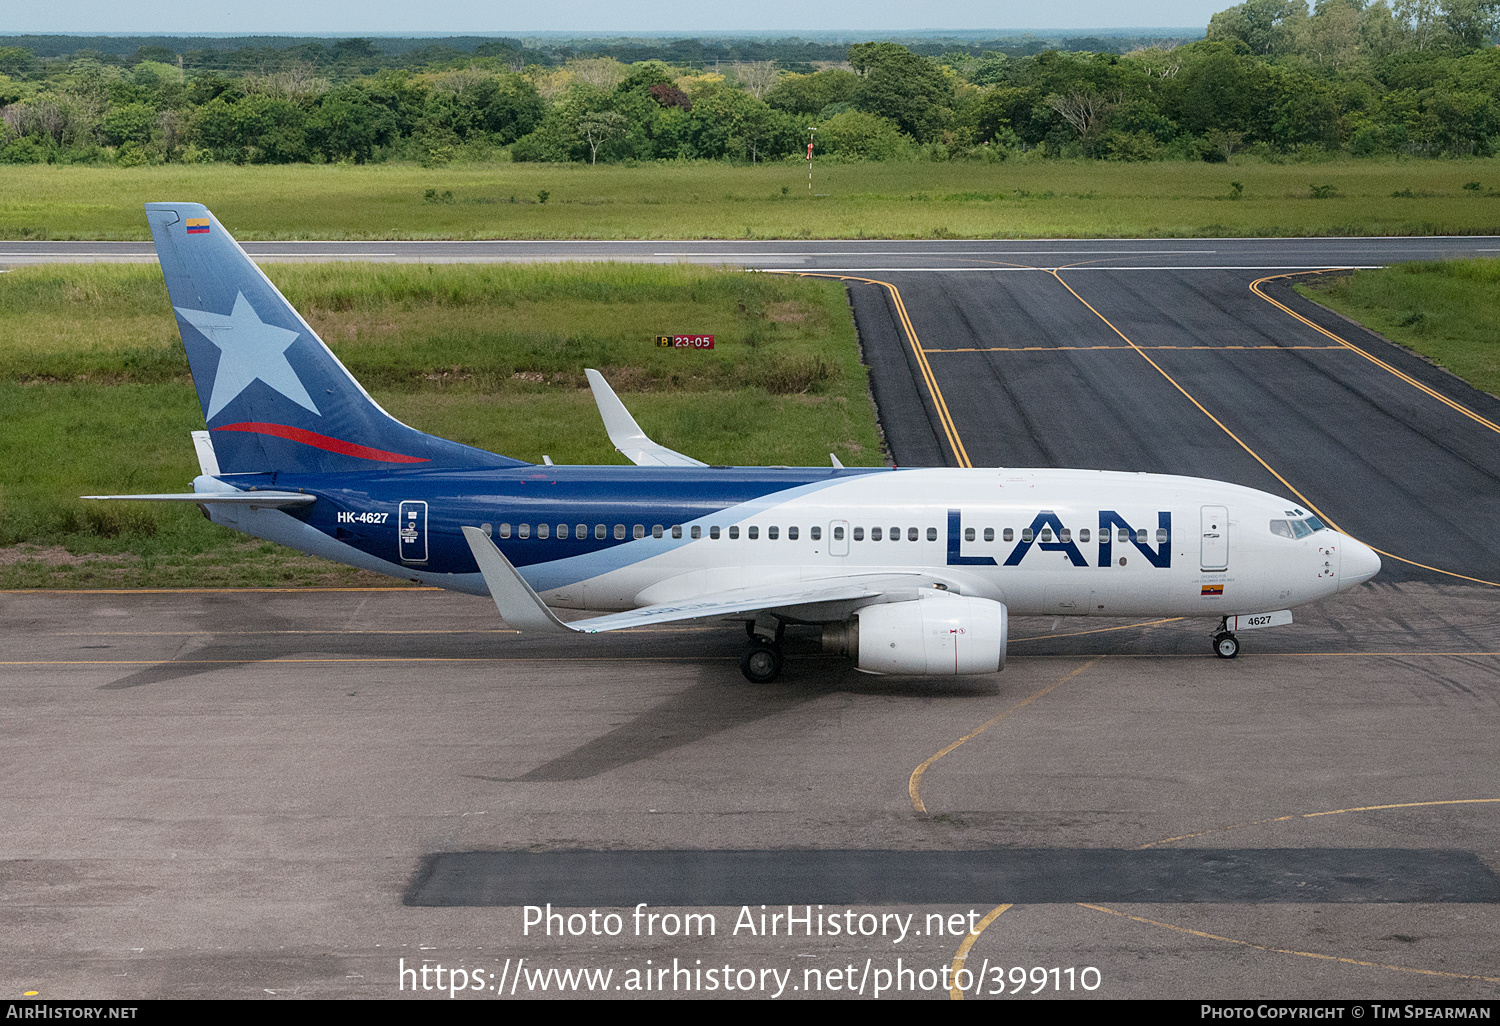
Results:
x,y
96,397
1448,311
1017,198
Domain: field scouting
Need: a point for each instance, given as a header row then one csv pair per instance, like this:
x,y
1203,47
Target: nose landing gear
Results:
x,y
1226,645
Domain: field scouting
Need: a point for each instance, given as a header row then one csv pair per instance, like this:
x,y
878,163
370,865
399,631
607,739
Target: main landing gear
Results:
x,y
1226,645
761,663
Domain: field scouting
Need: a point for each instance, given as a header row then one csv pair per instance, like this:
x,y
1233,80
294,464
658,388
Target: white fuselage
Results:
x,y
1196,547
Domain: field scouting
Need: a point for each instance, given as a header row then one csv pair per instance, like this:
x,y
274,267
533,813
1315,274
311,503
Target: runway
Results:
x,y
278,793
966,255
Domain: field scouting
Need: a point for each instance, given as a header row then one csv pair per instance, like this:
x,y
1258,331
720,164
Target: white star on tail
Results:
x,y
249,349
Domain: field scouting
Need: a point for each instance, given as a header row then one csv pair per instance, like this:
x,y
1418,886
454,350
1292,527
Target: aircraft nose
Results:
x,y
1358,564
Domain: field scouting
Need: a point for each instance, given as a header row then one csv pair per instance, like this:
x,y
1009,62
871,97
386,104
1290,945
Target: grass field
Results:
x,y
96,397
1449,311
1016,198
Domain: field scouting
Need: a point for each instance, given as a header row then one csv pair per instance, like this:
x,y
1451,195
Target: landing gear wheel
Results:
x,y
1226,645
761,664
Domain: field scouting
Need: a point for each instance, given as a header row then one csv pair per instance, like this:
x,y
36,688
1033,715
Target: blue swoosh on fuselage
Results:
x,y
533,495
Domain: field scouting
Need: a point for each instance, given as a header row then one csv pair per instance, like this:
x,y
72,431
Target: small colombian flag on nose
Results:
x,y
197,226
1213,589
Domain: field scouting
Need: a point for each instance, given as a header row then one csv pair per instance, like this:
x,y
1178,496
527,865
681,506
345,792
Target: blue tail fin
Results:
x,y
274,396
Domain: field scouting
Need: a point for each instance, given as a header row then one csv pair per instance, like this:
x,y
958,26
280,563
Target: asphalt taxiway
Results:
x,y
255,794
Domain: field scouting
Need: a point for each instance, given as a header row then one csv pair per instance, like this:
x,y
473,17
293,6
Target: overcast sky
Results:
x,y
512,17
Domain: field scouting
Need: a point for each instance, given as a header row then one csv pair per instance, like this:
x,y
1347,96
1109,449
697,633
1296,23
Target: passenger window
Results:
x,y
656,531
932,534
968,534
486,529
1009,535
505,530
524,530
676,530
816,533
1161,536
752,533
989,534
859,534
772,533
734,532
1026,534
581,531
619,532
1046,534
1281,528
600,531
713,532
1140,535
542,530
562,530
875,534
1123,536
791,534
1065,535
912,534
638,531
895,534
1083,535
697,531
838,534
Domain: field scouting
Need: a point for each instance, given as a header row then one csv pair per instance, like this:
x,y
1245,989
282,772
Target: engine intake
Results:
x,y
937,635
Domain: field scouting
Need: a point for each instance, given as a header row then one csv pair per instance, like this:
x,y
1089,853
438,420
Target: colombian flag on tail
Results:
x,y
197,226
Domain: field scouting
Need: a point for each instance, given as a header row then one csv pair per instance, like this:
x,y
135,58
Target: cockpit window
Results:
x,y
1296,528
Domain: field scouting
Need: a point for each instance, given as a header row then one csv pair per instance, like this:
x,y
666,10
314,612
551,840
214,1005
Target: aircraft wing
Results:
x,y
525,611
627,435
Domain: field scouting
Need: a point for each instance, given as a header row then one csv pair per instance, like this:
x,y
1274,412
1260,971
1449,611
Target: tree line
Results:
x,y
1271,77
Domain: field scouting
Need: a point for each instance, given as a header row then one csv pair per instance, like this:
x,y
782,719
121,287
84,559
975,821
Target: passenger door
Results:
x,y
1215,547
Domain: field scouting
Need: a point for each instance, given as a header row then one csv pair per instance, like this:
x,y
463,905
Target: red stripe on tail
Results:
x,y
324,442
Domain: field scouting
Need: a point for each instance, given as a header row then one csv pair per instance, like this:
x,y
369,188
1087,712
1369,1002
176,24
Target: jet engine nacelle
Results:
x,y
937,635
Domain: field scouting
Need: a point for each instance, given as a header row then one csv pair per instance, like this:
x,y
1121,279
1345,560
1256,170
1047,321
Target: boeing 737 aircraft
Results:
x,y
907,571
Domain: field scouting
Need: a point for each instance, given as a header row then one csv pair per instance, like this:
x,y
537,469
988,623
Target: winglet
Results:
x,y
514,598
627,435
836,464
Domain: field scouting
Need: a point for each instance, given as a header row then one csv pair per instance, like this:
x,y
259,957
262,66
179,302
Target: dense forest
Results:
x,y
1270,77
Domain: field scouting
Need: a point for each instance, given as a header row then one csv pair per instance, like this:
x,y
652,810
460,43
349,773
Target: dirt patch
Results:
x,y
789,312
51,555
340,326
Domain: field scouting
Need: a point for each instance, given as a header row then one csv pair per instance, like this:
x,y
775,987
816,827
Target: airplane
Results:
x,y
906,571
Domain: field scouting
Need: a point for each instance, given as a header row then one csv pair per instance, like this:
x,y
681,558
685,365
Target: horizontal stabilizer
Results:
x,y
266,500
627,435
